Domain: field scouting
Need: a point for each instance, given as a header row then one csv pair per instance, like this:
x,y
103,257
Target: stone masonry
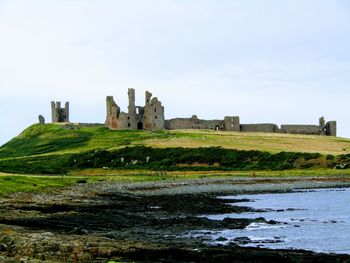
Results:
x,y
148,117
59,114
151,117
230,123
41,119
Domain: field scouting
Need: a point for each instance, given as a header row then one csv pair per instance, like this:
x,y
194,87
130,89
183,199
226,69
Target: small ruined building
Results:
x,y
41,119
148,117
151,117
59,114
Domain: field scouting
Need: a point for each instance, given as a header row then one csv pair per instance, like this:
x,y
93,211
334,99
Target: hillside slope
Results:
x,y
60,148
69,138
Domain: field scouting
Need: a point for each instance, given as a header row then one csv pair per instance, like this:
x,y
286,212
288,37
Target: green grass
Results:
x,y
60,139
48,149
10,183
65,139
15,183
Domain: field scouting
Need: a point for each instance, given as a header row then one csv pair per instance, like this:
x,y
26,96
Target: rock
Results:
x,y
341,166
79,231
242,240
272,222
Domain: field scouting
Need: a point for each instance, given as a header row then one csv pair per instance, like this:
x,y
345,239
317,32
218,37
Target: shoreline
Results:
x,y
140,222
224,186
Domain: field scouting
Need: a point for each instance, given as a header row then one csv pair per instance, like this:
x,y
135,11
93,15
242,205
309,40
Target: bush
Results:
x,y
167,159
329,157
170,158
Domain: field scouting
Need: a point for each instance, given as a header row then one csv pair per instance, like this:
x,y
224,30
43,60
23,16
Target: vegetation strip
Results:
x,y
62,148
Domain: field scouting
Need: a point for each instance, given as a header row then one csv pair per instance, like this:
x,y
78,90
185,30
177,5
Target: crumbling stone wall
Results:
x,y
59,114
323,128
232,123
193,123
302,129
263,127
228,124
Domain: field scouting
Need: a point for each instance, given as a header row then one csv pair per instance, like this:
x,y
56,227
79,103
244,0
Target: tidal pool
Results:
x,y
316,220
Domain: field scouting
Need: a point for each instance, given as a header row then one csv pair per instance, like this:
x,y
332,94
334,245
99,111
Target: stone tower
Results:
x,y
132,116
331,128
59,114
232,123
322,124
153,113
113,112
148,96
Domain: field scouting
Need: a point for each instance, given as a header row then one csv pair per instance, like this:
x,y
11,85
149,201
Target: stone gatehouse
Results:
x,y
148,117
151,117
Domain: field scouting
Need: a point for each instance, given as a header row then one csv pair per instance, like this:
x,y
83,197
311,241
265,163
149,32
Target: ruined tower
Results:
x,y
328,128
154,113
113,112
331,128
59,114
148,96
132,118
322,124
231,123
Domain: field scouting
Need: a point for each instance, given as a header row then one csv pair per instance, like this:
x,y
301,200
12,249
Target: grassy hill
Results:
x,y
50,148
70,138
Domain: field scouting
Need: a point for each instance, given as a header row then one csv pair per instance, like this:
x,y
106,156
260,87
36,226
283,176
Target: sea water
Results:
x,y
316,220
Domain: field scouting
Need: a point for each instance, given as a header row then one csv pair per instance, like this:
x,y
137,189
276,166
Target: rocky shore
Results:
x,y
141,222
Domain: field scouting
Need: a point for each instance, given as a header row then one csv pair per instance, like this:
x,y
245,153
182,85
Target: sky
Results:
x,y
271,61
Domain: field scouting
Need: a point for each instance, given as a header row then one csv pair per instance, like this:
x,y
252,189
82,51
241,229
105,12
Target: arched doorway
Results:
x,y
217,127
140,126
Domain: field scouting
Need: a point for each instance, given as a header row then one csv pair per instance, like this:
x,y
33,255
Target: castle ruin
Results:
x,y
59,114
151,117
148,117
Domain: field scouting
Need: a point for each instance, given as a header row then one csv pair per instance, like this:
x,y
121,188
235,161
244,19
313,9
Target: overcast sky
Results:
x,y
274,61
